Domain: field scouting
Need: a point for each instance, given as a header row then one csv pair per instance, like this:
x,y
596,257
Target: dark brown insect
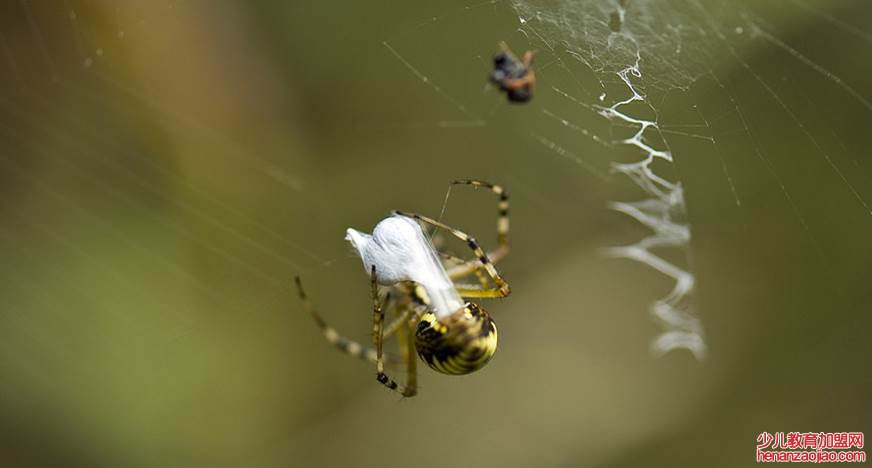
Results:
x,y
514,76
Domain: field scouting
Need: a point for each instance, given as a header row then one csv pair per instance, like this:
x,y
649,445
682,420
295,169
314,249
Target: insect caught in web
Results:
x,y
431,319
514,76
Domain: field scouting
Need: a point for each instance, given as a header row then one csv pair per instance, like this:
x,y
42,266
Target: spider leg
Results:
x,y
450,260
398,323
501,289
333,337
378,317
457,261
473,290
482,278
406,337
502,249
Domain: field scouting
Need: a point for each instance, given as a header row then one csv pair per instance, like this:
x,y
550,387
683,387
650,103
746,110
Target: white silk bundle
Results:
x,y
401,251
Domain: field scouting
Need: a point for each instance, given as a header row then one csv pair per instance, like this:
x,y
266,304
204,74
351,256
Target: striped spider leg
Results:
x,y
346,345
502,249
501,289
433,321
406,346
402,326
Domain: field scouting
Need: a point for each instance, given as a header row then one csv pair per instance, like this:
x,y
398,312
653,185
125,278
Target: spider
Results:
x,y
514,76
451,335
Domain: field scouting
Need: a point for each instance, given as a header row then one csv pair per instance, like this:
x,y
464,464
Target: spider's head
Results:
x,y
458,344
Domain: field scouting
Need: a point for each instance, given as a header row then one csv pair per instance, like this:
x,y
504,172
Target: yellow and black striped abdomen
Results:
x,y
459,344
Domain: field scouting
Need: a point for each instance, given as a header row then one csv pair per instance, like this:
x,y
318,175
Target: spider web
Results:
x,y
147,237
649,69
610,40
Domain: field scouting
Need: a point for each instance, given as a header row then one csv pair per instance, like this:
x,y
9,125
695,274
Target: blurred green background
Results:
x,y
168,167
